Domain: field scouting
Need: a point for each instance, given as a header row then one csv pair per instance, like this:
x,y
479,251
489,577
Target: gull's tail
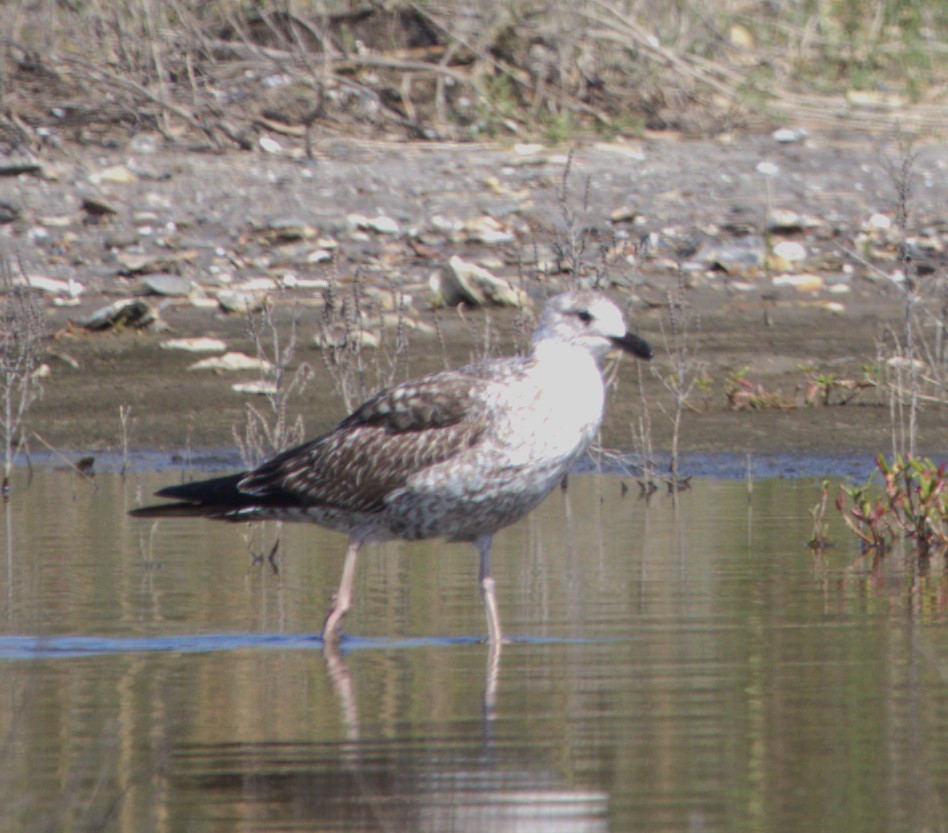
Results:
x,y
218,497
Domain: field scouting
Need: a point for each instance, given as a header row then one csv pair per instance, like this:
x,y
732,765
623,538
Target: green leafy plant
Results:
x,y
745,395
912,503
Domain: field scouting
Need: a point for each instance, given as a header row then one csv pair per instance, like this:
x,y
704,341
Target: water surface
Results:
x,y
689,667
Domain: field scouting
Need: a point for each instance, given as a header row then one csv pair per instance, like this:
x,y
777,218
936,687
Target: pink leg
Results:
x,y
487,590
342,601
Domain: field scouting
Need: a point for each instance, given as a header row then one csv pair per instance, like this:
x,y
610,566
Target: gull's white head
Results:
x,y
587,319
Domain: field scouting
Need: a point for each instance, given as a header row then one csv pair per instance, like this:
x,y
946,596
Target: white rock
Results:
x,y
879,222
790,250
269,145
257,388
319,256
71,288
768,168
468,283
256,285
802,283
786,135
242,302
113,175
486,229
231,361
195,345
384,225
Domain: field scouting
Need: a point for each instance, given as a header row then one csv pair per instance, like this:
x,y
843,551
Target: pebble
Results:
x,y
790,250
172,286
787,135
804,282
485,229
129,312
743,257
289,229
768,168
260,387
625,214
97,206
53,286
113,175
242,302
269,145
231,361
461,282
201,344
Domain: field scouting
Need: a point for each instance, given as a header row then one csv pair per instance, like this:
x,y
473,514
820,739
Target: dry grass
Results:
x,y
217,74
22,331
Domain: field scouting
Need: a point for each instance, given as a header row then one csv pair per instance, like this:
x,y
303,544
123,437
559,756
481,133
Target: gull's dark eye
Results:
x,y
584,316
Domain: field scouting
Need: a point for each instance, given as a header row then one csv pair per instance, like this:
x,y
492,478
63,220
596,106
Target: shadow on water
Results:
x,y
686,666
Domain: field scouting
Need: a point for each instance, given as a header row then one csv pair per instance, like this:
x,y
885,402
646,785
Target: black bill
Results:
x,y
636,345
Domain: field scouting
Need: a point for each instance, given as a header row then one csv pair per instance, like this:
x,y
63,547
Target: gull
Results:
x,y
457,454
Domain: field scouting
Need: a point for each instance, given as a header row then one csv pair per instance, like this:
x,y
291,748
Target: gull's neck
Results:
x,y
552,351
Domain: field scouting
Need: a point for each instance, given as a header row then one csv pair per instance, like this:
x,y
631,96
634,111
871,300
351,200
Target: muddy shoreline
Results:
x,y
218,210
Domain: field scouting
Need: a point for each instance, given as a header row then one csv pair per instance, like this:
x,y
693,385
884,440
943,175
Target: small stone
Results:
x,y
129,312
52,286
231,361
467,283
801,283
879,222
242,302
97,207
289,229
768,168
790,250
485,229
257,388
257,285
268,145
121,238
785,220
625,214
57,220
380,224
743,257
9,212
384,225
740,37
172,286
195,345
113,175
788,135
319,256
131,263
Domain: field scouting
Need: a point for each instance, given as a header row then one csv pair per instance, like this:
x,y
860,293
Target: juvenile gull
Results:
x,y
458,454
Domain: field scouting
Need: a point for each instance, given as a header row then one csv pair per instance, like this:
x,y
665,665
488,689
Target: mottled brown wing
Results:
x,y
397,433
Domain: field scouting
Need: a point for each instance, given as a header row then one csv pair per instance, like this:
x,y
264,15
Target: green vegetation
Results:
x,y
911,502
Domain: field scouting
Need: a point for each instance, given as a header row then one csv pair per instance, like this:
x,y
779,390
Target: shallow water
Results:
x,y
689,668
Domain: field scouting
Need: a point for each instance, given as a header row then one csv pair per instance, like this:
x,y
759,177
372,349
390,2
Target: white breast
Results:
x,y
556,410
